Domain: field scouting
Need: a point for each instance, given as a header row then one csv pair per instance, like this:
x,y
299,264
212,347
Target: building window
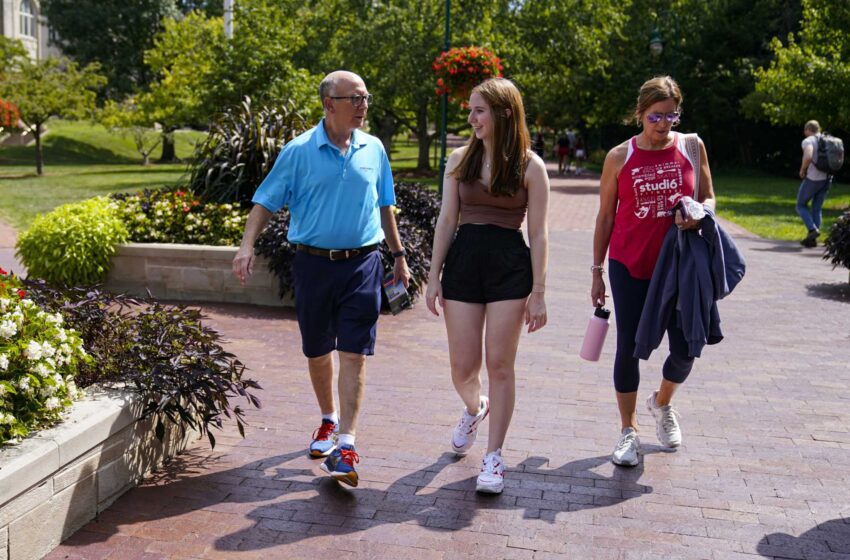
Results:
x,y
27,19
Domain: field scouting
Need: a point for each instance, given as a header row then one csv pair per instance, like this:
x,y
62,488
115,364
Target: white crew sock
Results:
x,y
333,417
345,439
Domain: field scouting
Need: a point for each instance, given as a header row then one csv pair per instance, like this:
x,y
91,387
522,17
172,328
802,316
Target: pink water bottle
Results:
x,y
594,338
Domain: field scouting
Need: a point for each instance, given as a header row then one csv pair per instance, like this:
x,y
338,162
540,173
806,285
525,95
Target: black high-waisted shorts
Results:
x,y
487,263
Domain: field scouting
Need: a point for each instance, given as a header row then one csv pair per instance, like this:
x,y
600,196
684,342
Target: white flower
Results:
x,y
58,379
54,318
41,370
52,403
4,304
4,362
27,302
6,418
33,351
24,383
8,329
2,389
62,336
47,349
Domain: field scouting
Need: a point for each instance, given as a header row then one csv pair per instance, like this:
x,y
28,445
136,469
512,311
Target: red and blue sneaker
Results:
x,y
324,439
340,465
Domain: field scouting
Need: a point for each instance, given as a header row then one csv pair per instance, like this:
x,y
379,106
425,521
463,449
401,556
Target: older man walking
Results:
x,y
337,183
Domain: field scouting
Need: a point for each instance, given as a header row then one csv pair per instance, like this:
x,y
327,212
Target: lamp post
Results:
x,y
656,45
444,101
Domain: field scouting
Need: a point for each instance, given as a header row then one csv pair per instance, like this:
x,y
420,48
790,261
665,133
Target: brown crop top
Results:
x,y
478,206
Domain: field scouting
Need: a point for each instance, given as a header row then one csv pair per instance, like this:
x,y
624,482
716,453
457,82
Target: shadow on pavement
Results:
x,y
825,540
835,292
329,508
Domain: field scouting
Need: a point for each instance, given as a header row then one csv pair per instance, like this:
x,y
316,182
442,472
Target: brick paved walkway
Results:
x,y
762,472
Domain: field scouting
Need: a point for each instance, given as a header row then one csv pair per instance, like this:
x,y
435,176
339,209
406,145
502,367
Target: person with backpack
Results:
x,y
815,185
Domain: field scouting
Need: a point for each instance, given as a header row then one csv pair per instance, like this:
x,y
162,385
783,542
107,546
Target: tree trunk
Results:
x,y
168,153
385,128
424,137
39,155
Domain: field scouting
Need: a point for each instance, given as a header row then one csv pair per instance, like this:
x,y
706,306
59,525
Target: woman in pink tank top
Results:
x,y
488,281
642,181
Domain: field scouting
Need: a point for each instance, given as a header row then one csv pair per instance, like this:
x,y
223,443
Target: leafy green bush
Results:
x,y
74,243
241,149
164,353
176,216
838,242
39,356
418,208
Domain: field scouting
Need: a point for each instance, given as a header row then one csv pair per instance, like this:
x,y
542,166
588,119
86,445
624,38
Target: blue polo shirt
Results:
x,y
334,200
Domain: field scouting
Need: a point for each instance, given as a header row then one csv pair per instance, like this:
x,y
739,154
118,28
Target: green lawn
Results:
x,y
81,161
765,204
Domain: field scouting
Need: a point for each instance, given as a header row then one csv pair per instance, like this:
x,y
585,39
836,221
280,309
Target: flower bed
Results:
x,y
57,481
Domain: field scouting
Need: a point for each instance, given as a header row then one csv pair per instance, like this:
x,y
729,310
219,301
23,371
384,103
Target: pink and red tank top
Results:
x,y
648,187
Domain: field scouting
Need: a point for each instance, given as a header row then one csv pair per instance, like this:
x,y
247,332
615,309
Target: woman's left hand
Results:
x,y
686,223
535,312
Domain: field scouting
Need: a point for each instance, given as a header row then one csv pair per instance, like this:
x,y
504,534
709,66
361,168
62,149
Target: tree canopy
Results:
x,y
810,75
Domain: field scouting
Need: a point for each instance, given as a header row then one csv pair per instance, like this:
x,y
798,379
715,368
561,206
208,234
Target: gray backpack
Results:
x,y
830,154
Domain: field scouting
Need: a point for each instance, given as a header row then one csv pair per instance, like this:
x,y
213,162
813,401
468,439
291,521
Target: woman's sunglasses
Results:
x,y
655,118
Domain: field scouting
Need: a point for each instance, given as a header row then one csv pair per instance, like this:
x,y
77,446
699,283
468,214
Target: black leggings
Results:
x,y
629,296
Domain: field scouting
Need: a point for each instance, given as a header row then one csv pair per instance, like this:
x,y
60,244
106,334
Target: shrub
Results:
x,y
176,216
74,243
418,208
241,149
838,242
38,360
164,353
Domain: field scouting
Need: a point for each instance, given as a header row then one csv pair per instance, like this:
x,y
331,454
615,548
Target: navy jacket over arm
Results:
x,y
695,269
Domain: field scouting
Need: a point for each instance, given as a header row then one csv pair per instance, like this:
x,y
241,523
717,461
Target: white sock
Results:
x,y
333,417
345,439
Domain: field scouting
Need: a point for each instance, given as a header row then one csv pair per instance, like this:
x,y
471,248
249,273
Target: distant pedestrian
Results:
x,y
540,144
483,274
580,154
814,187
563,150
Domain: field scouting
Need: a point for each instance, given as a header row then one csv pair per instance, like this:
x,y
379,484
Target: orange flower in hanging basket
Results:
x,y
460,69
9,115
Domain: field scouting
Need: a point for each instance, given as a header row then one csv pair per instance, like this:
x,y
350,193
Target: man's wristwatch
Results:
x,y
397,254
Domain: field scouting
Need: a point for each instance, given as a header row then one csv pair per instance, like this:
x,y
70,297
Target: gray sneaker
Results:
x,y
666,422
627,452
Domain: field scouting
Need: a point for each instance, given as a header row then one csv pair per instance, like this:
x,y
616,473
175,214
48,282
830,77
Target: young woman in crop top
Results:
x,y
491,281
642,180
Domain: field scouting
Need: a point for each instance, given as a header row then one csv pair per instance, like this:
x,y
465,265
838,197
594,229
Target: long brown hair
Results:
x,y
510,135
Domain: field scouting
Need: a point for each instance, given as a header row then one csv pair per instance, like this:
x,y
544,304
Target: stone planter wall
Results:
x,y
58,480
189,273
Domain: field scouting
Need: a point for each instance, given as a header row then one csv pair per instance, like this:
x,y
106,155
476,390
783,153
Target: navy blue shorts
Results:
x,y
337,302
487,263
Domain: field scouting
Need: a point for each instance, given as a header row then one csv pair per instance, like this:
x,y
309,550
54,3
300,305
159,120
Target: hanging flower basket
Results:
x,y
9,115
460,69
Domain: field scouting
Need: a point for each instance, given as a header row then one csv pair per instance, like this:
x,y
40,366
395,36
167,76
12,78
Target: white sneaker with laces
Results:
x,y
464,433
666,422
627,452
491,479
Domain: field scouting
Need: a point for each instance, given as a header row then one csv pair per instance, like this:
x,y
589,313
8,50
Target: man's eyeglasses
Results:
x,y
655,118
356,100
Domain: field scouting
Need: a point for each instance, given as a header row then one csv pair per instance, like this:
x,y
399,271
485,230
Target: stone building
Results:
x,y
22,20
